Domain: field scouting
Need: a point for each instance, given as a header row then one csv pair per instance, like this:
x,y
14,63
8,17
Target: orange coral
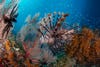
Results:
x,y
7,45
85,47
12,57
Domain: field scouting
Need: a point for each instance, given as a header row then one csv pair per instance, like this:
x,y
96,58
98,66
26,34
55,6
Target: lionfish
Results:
x,y
9,19
53,33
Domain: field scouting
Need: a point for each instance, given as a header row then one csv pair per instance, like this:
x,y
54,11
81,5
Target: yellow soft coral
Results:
x,y
7,45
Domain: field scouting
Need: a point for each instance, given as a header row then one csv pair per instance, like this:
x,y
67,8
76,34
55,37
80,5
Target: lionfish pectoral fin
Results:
x,y
3,33
14,20
6,34
13,10
16,15
65,15
41,32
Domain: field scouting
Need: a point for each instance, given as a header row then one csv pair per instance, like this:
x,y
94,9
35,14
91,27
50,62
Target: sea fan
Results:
x,y
29,40
47,54
39,53
1,6
28,32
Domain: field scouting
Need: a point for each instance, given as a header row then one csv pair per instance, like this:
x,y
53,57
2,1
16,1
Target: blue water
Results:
x,y
81,11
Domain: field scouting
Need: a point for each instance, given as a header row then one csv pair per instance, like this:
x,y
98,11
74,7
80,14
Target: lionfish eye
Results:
x,y
55,29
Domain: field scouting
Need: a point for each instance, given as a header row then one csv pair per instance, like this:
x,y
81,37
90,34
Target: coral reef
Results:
x,y
85,48
47,42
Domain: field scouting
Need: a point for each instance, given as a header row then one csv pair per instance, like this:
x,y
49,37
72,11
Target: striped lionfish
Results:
x,y
53,33
9,19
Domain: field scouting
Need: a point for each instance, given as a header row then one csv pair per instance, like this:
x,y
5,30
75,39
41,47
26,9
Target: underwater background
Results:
x,y
84,12
49,33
